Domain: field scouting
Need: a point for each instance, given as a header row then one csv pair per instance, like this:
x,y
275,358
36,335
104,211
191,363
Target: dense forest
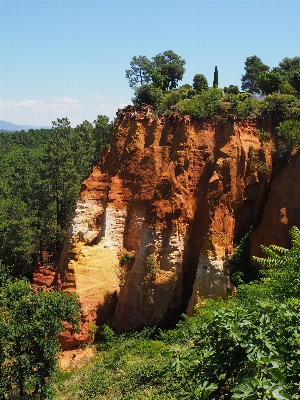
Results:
x,y
41,175
247,347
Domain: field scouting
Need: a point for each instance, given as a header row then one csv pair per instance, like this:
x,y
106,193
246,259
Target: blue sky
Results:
x,y
67,58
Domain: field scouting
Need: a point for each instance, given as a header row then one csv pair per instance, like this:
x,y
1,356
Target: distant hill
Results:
x,y
8,126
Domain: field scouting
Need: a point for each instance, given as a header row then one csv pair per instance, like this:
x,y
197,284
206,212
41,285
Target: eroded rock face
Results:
x,y
282,210
177,195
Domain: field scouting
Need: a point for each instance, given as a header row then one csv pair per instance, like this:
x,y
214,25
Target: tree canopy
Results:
x,y
30,322
41,172
163,72
139,74
200,83
253,67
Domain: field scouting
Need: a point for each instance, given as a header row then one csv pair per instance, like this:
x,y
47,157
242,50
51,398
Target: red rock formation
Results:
x,y
282,210
46,277
178,194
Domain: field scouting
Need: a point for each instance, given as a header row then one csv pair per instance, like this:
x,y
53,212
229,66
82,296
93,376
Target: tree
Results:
x,y
290,68
62,177
148,94
288,64
270,82
83,149
216,78
231,89
30,323
167,70
102,129
200,83
139,74
253,67
163,72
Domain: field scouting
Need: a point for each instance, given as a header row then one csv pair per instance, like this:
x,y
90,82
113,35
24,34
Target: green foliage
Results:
x,y
41,172
30,323
139,74
200,83
242,105
163,72
168,69
264,136
253,67
231,89
288,137
255,162
148,94
280,107
239,265
169,99
106,337
290,68
270,82
101,132
207,104
152,264
287,88
248,348
133,367
288,133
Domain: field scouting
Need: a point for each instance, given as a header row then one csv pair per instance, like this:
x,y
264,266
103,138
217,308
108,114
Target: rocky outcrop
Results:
x,y
282,210
174,196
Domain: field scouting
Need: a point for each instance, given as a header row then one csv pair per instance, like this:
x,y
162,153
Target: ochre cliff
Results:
x,y
282,210
176,195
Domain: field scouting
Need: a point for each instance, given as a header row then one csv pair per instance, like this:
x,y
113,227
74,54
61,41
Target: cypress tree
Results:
x,y
216,78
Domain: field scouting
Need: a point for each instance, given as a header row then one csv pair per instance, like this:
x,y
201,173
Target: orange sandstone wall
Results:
x,y
175,193
282,210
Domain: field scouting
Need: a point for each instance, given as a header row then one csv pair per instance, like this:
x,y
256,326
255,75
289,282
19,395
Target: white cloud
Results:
x,y
40,112
34,111
58,103
98,96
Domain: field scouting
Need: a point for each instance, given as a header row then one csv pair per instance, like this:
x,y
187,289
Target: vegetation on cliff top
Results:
x,y
156,83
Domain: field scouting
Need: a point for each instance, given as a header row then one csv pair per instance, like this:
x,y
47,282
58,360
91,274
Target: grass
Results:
x,y
125,367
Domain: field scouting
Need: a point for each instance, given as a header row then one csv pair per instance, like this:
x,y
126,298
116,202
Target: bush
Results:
x,y
242,105
207,104
170,99
231,89
288,133
200,83
148,94
248,348
280,107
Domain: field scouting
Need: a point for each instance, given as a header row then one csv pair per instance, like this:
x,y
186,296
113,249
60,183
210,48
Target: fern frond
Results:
x,y
269,252
295,236
278,249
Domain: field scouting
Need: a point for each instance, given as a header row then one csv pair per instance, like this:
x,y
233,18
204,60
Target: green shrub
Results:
x,y
200,83
148,94
231,89
94,385
242,105
280,107
264,137
248,348
207,104
170,99
152,264
288,133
